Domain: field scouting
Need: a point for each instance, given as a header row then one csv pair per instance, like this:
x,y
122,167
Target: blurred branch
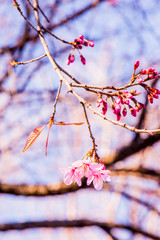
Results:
x,y
61,188
13,63
107,227
130,149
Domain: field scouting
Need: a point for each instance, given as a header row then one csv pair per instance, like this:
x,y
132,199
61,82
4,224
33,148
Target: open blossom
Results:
x,y
85,168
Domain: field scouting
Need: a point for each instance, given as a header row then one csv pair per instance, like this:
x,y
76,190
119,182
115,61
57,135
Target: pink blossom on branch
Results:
x,y
78,44
94,172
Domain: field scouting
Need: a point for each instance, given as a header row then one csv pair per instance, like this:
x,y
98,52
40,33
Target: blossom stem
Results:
x,y
89,128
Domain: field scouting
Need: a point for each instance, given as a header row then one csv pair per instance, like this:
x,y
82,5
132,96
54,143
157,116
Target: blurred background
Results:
x,y
35,203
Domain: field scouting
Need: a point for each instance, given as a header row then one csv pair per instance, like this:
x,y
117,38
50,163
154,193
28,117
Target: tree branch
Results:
x,y
76,223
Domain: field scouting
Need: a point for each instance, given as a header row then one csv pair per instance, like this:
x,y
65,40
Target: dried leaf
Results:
x,y
63,123
32,137
47,139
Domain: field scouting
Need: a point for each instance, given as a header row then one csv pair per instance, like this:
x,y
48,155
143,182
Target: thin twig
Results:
x,y
17,5
89,127
52,34
80,99
109,87
13,63
56,100
39,9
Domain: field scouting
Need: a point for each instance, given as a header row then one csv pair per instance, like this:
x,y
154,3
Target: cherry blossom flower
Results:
x,y
93,171
98,177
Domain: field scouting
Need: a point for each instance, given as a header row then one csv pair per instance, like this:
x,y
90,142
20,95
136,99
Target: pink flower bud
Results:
x,y
119,100
139,79
79,46
126,101
154,90
155,95
81,36
85,43
80,41
150,98
69,59
104,108
124,112
151,70
99,101
128,95
83,60
151,76
91,43
117,108
118,116
133,111
143,72
72,58
136,65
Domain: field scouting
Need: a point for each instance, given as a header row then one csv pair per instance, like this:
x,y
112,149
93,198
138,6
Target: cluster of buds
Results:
x,y
91,168
150,72
78,43
151,92
123,99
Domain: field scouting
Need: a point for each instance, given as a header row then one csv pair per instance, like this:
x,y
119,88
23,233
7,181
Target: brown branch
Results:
x,y
61,188
132,148
13,63
89,128
56,100
80,99
76,223
39,190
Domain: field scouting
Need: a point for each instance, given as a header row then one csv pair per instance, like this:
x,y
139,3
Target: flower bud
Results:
x,y
81,36
124,112
83,60
136,65
133,111
91,43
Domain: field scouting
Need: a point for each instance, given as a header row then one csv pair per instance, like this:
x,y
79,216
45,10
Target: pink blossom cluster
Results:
x,y
119,105
94,172
151,92
122,100
78,43
150,72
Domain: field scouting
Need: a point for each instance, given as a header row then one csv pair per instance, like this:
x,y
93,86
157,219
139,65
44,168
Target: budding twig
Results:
x,y
56,100
81,100
13,63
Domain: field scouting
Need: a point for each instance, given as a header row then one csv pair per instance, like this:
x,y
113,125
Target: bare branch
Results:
x,y
76,223
13,63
